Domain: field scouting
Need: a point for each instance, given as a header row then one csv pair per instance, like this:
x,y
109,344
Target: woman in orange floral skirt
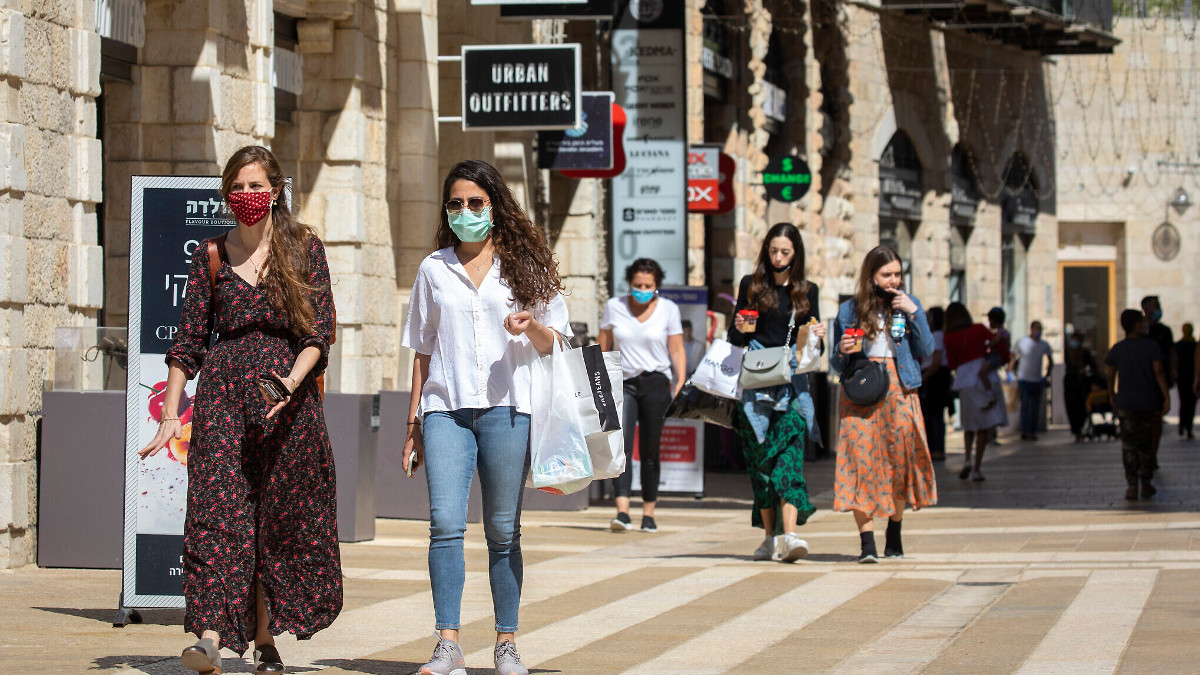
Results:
x,y
883,459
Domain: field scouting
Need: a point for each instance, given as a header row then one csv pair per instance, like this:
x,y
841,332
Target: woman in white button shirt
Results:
x,y
480,306
648,332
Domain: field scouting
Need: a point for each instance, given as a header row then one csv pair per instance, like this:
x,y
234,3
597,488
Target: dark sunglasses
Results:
x,y
475,204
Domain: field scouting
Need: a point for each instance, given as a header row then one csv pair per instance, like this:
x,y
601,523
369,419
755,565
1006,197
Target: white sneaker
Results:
x,y
765,550
790,548
977,476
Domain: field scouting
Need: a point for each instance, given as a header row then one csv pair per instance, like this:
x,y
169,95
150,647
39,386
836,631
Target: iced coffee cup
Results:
x,y
857,334
750,319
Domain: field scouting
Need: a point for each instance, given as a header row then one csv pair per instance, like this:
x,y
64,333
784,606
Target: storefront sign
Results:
x,y
122,20
527,3
650,197
725,194
521,87
578,9
170,216
588,147
704,177
964,192
715,62
775,102
786,178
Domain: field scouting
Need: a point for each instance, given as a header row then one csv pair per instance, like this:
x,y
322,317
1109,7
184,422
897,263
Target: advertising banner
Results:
x,y
521,87
650,197
587,147
170,216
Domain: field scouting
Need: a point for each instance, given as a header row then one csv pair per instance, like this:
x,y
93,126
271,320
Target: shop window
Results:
x,y
286,67
1013,284
957,291
898,235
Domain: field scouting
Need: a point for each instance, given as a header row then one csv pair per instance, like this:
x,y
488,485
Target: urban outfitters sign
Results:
x,y
786,178
650,197
521,87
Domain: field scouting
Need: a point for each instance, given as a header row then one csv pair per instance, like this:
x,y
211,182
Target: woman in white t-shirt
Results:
x,y
480,306
647,330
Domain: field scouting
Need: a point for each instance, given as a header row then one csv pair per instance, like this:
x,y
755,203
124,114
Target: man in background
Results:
x,y
1137,386
1031,380
1159,332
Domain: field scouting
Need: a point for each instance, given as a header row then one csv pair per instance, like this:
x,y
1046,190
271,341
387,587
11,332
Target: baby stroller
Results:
x,y
1101,419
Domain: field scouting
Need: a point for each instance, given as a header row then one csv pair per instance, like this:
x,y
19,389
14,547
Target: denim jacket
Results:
x,y
915,346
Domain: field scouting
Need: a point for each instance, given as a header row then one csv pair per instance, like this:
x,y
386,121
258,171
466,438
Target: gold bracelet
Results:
x,y
167,419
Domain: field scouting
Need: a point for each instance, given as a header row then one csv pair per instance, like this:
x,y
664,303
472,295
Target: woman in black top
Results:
x,y
773,420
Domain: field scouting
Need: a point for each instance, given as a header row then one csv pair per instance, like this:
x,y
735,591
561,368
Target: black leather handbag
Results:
x,y
864,381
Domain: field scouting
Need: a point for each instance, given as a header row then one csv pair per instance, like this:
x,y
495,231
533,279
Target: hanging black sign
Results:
x,y
589,146
786,178
520,87
592,9
1018,212
964,193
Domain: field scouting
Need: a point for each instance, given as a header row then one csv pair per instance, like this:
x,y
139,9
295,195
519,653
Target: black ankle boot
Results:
x,y
892,548
868,555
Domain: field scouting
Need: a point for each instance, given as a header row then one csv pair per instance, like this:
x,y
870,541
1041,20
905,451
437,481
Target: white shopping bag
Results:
x,y
720,371
574,412
608,450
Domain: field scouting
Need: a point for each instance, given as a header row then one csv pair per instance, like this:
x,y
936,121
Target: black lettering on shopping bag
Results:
x,y
601,386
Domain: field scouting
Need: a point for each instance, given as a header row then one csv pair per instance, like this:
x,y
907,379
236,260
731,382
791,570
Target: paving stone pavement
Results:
x,y
1042,568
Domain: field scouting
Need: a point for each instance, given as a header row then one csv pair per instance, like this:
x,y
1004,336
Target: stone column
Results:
x,y
50,260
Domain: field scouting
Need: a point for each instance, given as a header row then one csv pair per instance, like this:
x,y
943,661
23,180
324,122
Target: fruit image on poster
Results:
x,y
162,479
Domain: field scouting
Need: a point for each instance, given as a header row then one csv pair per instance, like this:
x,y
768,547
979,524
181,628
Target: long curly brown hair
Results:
x,y
527,264
287,268
762,284
870,306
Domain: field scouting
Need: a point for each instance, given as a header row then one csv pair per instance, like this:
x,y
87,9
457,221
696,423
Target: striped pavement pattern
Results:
x,y
1046,598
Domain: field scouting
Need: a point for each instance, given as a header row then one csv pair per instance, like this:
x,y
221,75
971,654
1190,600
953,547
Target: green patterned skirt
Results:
x,y
776,466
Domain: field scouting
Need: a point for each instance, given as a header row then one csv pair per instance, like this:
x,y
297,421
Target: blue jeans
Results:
x,y
496,440
1031,405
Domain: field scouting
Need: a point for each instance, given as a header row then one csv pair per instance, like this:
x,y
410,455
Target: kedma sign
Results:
x,y
521,87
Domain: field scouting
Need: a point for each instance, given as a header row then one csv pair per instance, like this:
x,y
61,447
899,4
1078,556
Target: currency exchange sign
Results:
x,y
786,178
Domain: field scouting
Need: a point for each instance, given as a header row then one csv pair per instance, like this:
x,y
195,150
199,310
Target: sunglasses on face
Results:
x,y
475,204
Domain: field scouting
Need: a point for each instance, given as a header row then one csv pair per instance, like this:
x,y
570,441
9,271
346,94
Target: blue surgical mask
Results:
x,y
469,226
1075,344
642,297
1156,316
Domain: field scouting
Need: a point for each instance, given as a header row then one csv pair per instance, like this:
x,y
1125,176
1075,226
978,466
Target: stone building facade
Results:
x,y
1129,177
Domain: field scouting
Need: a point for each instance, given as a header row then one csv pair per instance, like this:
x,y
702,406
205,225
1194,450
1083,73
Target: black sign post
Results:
x,y
786,178
521,87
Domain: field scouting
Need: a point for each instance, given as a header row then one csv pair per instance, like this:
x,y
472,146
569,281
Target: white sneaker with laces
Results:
x,y
790,548
765,550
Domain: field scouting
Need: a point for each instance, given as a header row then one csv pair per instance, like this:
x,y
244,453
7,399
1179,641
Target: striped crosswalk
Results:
x,y
1035,600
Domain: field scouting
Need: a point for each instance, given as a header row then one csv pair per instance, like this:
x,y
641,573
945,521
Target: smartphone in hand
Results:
x,y
273,388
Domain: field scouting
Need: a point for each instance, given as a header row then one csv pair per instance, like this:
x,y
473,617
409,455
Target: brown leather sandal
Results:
x,y
202,657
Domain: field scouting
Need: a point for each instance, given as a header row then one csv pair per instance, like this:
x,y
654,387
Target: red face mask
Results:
x,y
249,207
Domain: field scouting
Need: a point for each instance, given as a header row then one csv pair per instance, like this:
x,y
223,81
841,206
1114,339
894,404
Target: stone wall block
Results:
x,y
84,116
316,36
87,275
85,180
196,95
345,136
344,218
12,157
344,260
14,496
15,270
12,43
349,294
264,110
85,63
152,98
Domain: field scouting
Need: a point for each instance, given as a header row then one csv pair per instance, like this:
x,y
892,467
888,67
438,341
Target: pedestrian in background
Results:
x,y
647,330
1159,332
483,305
1137,385
693,348
883,459
1080,372
1185,377
772,421
981,408
260,549
1031,379
935,387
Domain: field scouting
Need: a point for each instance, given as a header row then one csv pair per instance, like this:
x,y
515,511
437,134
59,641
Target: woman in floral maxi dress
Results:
x,y
260,539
